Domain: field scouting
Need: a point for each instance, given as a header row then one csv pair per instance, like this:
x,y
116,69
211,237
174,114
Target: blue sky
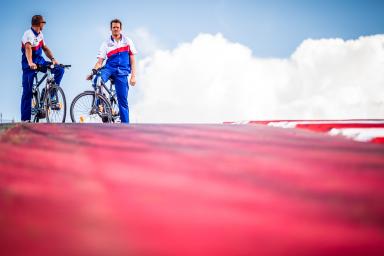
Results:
x,y
268,28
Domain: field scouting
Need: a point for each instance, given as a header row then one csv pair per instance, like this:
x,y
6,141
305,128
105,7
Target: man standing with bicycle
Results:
x,y
119,52
33,45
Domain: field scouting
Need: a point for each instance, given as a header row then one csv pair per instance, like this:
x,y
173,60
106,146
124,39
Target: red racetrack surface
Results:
x,y
329,126
363,130
188,190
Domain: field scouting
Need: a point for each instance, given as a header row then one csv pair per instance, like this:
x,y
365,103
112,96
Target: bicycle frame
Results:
x,y
101,85
111,93
40,95
47,76
103,103
38,83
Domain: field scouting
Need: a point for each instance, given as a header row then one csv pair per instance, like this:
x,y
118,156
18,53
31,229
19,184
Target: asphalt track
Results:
x,y
188,190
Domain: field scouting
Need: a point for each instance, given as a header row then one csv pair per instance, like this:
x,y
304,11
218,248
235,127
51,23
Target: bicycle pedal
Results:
x,y
56,106
34,111
105,119
41,114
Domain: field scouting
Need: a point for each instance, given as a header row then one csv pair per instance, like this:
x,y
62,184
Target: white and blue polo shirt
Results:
x,y
117,54
37,42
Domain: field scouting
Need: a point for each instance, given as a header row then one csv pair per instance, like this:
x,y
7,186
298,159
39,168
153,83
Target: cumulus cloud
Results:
x,y
144,41
213,80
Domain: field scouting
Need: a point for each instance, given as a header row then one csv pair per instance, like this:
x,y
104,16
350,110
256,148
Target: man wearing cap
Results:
x,y
32,46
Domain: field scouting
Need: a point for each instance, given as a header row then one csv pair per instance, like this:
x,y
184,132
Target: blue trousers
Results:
x,y
26,98
121,86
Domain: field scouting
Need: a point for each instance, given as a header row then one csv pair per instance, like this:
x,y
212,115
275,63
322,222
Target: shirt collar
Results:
x,y
121,38
34,32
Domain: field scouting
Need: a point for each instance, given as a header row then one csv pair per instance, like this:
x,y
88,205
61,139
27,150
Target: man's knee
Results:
x,y
28,80
122,93
27,92
59,70
123,102
105,75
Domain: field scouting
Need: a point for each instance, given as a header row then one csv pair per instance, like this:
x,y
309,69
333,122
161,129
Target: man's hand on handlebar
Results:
x,y
55,62
32,66
94,72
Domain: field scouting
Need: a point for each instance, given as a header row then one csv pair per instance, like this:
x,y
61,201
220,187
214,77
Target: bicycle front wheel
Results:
x,y
90,107
55,105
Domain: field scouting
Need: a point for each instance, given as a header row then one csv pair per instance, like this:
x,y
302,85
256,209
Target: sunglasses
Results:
x,y
43,22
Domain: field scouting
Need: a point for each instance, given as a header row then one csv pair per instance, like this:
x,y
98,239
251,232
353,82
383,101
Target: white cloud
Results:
x,y
213,80
144,41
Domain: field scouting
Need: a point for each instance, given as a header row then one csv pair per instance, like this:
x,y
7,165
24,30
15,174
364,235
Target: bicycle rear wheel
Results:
x,y
89,107
35,108
55,105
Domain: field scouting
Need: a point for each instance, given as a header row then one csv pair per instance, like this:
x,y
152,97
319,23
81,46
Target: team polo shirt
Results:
x,y
37,42
117,54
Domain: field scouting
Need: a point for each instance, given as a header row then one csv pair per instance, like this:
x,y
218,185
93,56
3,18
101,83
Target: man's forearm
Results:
x,y
28,54
133,65
48,53
99,63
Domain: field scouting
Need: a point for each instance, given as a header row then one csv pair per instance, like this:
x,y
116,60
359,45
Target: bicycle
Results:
x,y
50,103
96,106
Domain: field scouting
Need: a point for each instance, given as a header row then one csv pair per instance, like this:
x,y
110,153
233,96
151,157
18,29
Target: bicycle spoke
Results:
x,y
56,105
86,109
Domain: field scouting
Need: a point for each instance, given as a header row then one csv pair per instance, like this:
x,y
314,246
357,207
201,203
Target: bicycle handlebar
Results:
x,y
97,71
49,65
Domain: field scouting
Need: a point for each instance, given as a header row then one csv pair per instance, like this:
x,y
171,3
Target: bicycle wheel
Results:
x,y
88,107
55,105
115,110
35,107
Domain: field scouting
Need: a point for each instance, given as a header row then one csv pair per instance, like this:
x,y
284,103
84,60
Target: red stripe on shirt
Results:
x,y
34,48
121,49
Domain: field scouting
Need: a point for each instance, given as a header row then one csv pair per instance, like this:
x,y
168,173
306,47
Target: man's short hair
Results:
x,y
117,21
36,20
